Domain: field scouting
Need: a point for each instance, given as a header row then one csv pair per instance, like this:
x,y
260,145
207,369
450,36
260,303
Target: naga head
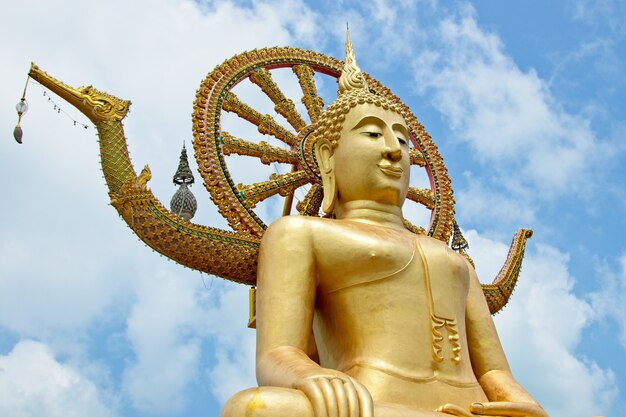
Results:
x,y
98,106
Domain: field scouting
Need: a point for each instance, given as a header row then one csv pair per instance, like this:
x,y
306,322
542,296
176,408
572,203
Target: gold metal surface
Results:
x,y
313,103
358,316
310,205
283,106
422,196
266,124
263,151
278,183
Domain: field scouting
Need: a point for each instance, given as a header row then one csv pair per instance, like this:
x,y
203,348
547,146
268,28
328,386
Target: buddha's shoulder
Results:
x,y
303,226
293,225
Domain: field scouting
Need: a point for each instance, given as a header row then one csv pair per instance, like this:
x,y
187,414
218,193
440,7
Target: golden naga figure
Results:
x,y
358,311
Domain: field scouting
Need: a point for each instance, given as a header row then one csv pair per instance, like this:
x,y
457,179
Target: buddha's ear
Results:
x,y
326,163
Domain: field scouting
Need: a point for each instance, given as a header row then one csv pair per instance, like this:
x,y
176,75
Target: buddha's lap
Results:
x,y
268,402
285,402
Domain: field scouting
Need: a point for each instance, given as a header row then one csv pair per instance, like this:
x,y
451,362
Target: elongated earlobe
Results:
x,y
325,161
330,193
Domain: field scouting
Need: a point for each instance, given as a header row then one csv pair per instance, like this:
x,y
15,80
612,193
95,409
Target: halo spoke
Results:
x,y
313,103
415,229
283,106
262,150
423,196
417,157
281,184
310,206
266,124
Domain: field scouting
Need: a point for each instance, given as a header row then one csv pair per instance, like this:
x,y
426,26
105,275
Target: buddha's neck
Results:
x,y
372,212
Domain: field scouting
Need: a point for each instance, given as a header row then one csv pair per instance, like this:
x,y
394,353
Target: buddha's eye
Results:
x,y
402,141
373,134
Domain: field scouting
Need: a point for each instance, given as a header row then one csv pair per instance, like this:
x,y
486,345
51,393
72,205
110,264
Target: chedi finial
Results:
x,y
351,76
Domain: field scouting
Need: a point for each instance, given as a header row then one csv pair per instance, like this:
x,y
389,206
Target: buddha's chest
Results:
x,y
354,257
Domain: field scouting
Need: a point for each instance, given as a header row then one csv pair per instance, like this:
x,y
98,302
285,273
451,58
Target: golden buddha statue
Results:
x,y
357,316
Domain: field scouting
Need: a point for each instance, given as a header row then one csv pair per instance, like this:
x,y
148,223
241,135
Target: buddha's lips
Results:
x,y
391,170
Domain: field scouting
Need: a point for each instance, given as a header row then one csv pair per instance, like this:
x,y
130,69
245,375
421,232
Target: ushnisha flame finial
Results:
x,y
351,76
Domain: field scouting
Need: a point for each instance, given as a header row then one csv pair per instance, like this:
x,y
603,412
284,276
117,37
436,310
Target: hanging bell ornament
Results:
x,y
17,133
21,107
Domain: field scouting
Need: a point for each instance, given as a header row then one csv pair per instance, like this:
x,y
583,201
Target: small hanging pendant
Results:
x,y
17,133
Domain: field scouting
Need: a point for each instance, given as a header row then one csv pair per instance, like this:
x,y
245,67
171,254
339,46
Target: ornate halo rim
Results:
x,y
213,168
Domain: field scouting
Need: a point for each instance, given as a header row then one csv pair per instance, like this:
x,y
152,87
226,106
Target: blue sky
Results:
x,y
524,99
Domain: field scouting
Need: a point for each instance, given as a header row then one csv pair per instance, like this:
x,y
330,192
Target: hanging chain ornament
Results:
x,y
59,110
21,107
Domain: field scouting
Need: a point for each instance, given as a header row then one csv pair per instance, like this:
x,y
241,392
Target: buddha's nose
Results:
x,y
393,154
392,149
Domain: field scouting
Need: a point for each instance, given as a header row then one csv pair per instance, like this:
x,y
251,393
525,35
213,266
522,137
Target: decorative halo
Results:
x,y
213,145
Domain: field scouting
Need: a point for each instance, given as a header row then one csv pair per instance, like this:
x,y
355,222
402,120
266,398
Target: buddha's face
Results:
x,y
371,160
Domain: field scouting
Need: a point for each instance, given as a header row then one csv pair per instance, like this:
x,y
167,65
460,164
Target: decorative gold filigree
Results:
x,y
96,105
423,196
499,291
418,230
313,103
451,326
278,184
282,105
312,202
229,255
351,76
267,125
417,158
262,150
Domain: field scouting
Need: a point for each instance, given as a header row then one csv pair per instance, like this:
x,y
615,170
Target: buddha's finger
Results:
x,y
340,395
315,396
512,409
329,397
353,399
454,410
365,399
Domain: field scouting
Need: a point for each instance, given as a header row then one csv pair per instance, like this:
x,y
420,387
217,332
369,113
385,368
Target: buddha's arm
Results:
x,y
506,395
286,286
285,303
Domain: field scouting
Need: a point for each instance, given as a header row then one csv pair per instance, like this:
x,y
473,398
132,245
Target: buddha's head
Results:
x,y
361,144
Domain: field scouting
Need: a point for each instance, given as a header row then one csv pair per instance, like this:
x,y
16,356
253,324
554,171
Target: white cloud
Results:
x,y
173,317
541,328
162,329
507,116
33,384
608,302
234,367
604,13
47,297
480,201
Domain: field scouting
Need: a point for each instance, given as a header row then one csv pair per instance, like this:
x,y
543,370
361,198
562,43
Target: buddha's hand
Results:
x,y
498,408
508,409
335,394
